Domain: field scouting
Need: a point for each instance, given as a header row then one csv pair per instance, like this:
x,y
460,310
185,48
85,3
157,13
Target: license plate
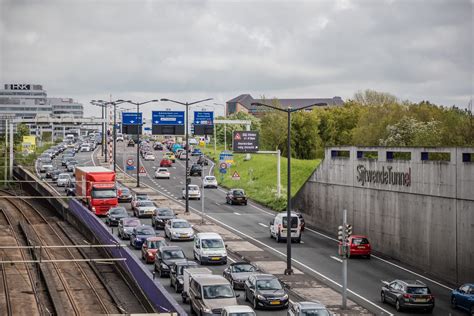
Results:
x,y
420,300
275,303
184,235
215,258
361,247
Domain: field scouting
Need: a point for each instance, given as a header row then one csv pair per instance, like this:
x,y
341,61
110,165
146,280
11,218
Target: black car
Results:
x,y
70,189
115,214
236,196
176,273
158,146
238,272
161,216
196,170
407,294
265,291
165,257
131,143
55,175
202,161
125,195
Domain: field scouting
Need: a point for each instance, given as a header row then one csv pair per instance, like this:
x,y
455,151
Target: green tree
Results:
x,y
372,97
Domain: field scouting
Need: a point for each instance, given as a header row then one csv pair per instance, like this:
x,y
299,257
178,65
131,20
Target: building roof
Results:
x,y
246,100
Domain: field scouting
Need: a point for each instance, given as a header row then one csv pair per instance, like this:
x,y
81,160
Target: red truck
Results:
x,y
96,186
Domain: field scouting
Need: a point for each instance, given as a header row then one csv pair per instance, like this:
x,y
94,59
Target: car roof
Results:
x,y
157,238
178,220
413,283
209,235
238,309
143,226
315,305
239,262
186,262
293,214
358,236
210,279
171,248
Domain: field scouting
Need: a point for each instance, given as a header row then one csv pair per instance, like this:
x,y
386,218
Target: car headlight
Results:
x,y
285,297
150,253
206,310
180,281
164,266
261,297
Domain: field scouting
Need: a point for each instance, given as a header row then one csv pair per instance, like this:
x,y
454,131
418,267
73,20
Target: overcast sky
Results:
x,y
187,50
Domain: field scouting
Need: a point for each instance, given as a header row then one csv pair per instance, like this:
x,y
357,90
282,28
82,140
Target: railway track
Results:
x,y
78,289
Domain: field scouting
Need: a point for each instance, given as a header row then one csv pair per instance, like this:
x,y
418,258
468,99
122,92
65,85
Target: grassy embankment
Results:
x,y
258,176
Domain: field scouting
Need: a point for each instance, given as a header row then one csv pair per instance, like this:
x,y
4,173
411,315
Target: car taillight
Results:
x,y
406,295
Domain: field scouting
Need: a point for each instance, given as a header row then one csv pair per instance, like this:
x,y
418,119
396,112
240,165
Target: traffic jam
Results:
x,y
195,265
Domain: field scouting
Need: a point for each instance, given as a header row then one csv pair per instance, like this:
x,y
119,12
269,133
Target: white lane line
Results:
x,y
231,259
386,261
262,224
280,253
237,213
336,258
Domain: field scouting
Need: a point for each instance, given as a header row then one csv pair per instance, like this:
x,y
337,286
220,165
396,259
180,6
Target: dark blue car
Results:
x,y
140,234
463,297
196,152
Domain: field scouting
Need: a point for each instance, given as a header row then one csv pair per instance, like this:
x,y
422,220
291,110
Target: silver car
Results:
x,y
63,179
308,308
179,229
144,208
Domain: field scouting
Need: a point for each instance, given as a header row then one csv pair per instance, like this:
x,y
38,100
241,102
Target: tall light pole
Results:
x,y
114,103
186,104
288,110
139,126
99,103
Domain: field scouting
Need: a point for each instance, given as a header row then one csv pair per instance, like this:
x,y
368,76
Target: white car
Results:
x,y
179,229
63,179
162,173
149,156
85,148
237,310
119,138
193,192
209,182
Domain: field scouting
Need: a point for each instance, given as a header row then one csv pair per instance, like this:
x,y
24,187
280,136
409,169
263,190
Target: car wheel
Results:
x,y
382,297
278,238
245,203
255,305
298,240
368,256
245,296
192,309
161,274
454,304
397,306
472,310
232,284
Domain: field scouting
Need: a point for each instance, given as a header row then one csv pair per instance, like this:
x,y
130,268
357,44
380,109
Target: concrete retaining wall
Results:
x,y
417,211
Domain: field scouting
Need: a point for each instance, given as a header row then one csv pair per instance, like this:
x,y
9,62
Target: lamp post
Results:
x,y
186,104
114,103
139,125
98,103
289,110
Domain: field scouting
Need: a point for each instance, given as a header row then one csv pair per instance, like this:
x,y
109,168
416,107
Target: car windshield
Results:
x,y
418,290
165,212
181,225
193,187
210,178
268,284
131,222
155,244
239,193
145,231
294,222
243,268
314,312
218,291
142,197
241,314
104,193
117,211
125,191
162,170
63,176
360,241
212,243
173,254
145,204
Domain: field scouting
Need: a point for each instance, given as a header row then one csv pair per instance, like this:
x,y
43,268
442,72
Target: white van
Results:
x,y
278,227
209,248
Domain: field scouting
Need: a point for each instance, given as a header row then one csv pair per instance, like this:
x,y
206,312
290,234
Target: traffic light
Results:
x,y
348,231
340,233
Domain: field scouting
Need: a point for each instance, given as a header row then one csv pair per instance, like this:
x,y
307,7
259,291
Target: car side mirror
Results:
x,y
226,246
238,295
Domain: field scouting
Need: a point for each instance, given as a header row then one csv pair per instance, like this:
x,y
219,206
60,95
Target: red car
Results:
x,y
150,247
165,163
359,246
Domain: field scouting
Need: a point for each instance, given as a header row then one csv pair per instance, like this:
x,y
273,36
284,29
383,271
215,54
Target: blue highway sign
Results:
x,y
168,118
203,118
130,118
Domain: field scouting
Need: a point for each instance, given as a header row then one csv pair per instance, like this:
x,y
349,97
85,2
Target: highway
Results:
x,y
317,255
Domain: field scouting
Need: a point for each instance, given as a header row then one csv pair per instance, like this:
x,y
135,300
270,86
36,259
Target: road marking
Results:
x,y
237,213
336,258
279,252
262,224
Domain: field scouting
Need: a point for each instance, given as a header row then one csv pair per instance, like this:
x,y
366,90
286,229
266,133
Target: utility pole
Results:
x,y
11,149
344,232
6,151
202,197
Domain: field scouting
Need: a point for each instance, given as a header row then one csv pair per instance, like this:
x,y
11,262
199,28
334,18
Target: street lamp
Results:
x,y
289,110
114,103
98,103
138,134
186,104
